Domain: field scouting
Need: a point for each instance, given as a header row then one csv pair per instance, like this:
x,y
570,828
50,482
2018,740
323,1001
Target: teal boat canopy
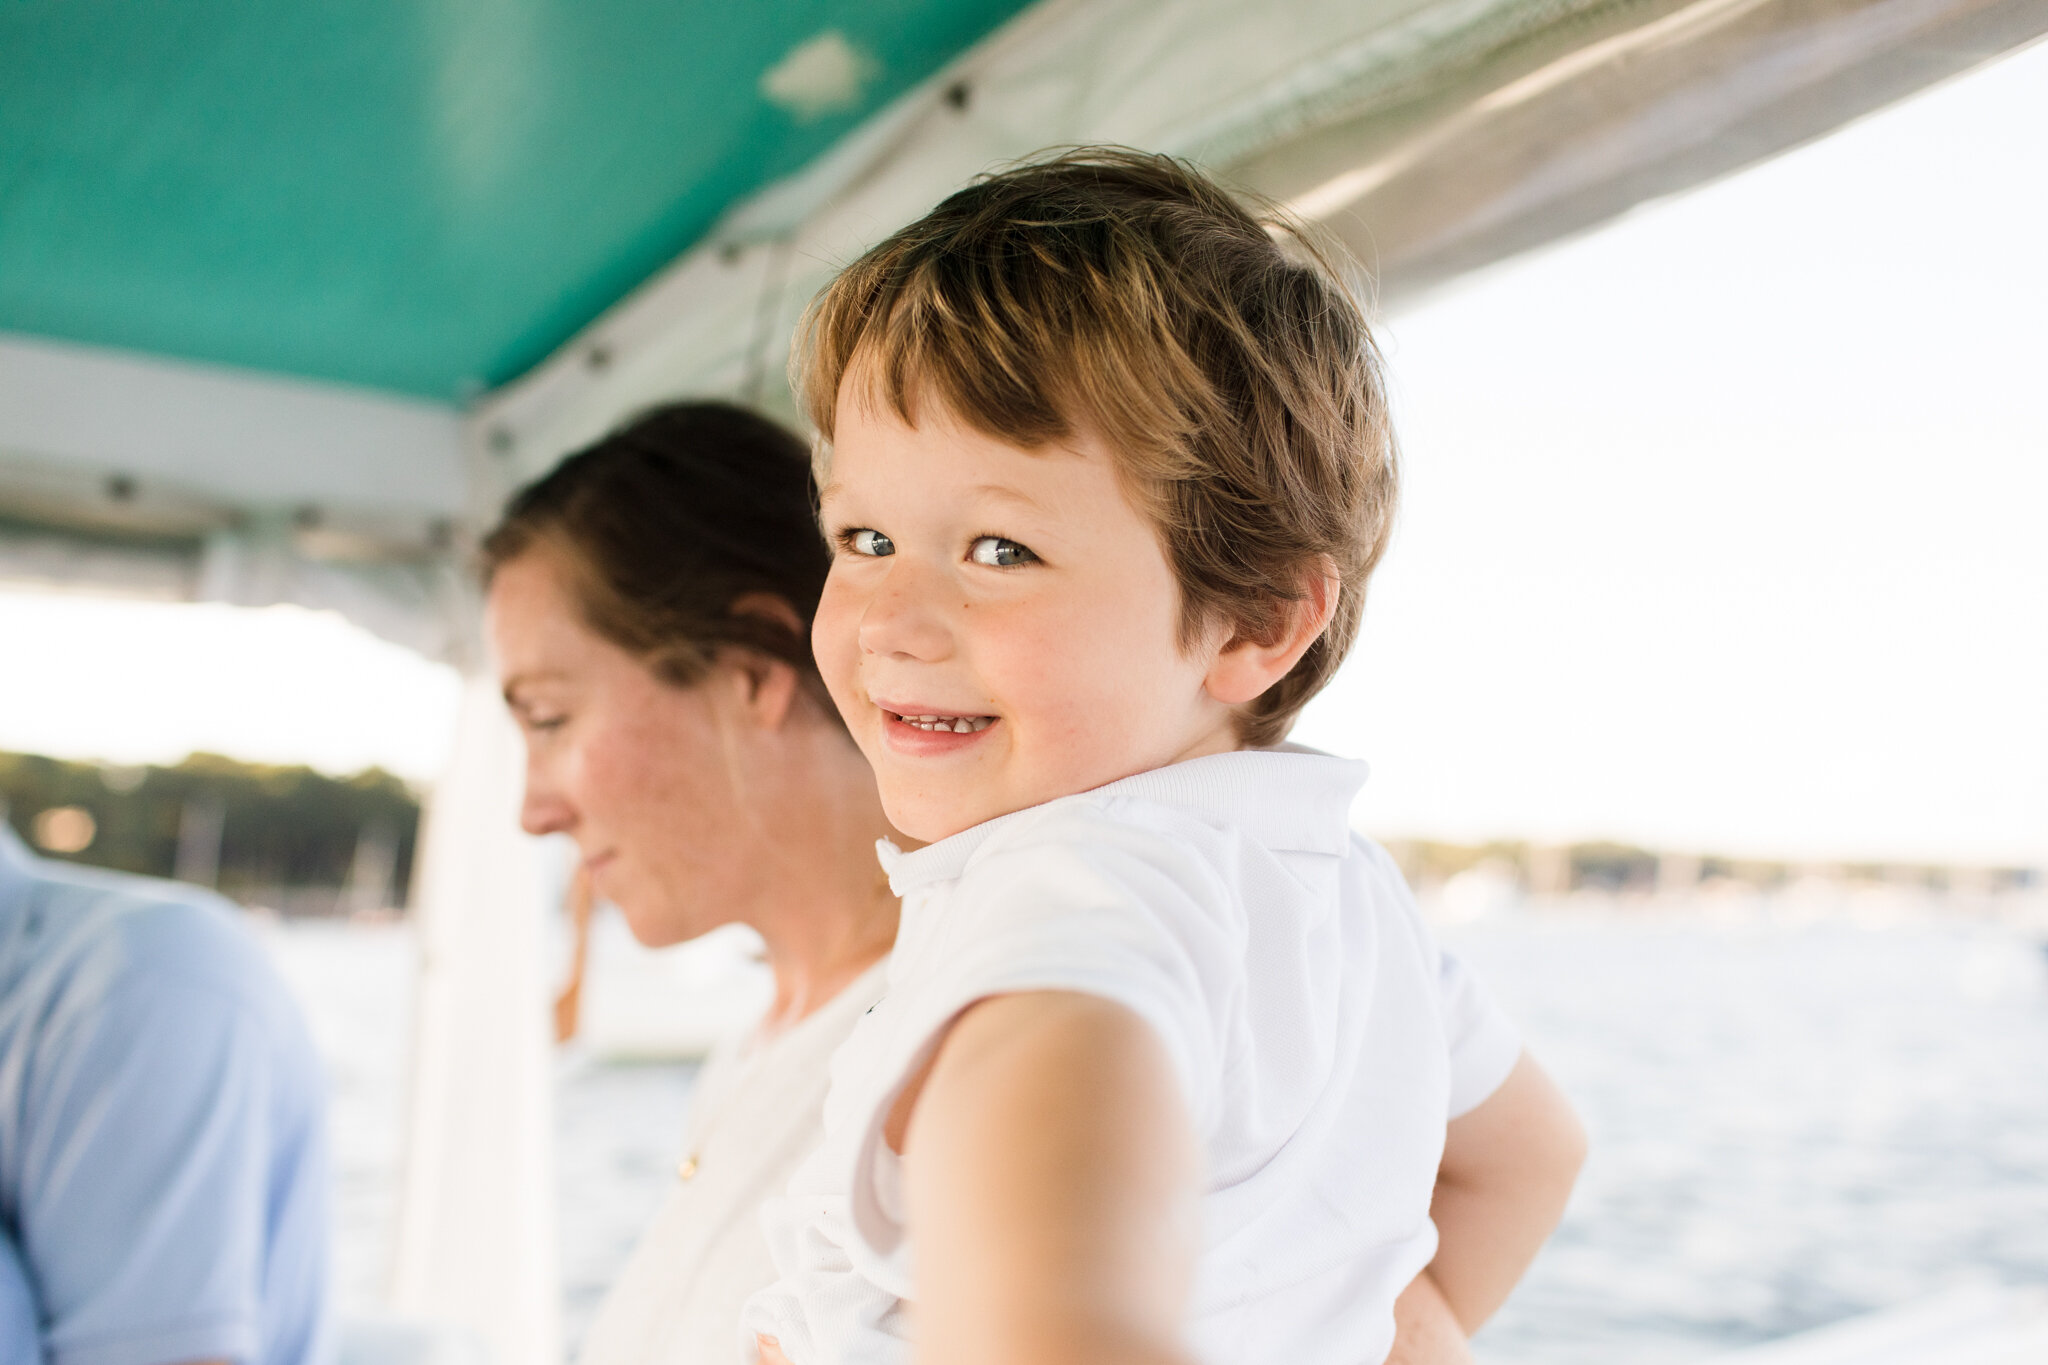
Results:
x,y
421,196
291,295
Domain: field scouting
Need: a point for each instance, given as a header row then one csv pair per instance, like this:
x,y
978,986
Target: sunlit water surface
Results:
x,y
1794,1119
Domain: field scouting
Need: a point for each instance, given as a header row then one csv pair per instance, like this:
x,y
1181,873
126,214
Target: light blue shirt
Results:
x,y
163,1157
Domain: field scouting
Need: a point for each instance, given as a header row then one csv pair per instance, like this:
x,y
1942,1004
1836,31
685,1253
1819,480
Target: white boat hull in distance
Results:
x,y
1978,1326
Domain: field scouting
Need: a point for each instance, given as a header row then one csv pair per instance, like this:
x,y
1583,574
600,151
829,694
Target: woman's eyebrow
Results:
x,y
516,681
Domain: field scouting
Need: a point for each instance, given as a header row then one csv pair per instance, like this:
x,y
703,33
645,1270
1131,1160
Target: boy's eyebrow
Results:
x,y
998,491
1004,493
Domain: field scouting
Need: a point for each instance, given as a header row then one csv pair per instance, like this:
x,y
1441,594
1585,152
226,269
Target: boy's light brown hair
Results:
x,y
1218,354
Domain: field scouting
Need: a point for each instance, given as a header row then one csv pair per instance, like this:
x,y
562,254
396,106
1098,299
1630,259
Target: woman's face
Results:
x,y
642,774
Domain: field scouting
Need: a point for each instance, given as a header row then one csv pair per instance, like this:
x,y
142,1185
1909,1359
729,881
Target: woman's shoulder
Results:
x,y
798,1051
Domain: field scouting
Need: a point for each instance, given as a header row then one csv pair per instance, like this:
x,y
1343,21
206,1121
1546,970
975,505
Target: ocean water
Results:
x,y
1798,1113
1791,1123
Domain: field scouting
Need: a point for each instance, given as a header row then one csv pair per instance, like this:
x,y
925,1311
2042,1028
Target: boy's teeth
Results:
x,y
959,725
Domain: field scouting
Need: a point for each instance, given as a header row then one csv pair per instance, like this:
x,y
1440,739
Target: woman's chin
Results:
x,y
655,926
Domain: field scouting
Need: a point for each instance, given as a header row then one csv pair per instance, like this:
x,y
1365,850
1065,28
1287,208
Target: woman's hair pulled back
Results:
x,y
665,525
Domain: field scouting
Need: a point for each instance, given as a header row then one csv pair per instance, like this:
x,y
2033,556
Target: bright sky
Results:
x,y
149,682
1723,529
1727,526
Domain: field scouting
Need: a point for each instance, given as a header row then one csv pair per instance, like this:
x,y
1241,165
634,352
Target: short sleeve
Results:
x,y
21,1338
1112,911
144,1172
1086,905
1484,1044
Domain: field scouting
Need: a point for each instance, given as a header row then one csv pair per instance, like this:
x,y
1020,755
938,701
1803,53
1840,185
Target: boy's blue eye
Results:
x,y
866,542
998,553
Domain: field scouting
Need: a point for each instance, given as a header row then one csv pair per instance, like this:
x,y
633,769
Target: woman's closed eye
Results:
x,y
998,553
860,540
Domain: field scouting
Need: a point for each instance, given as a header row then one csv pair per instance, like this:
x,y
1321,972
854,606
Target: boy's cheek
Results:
x,y
835,644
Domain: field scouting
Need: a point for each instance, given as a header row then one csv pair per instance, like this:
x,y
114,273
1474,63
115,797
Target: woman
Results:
x,y
650,603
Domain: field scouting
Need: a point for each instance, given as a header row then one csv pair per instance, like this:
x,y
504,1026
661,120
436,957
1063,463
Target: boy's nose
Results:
x,y
906,617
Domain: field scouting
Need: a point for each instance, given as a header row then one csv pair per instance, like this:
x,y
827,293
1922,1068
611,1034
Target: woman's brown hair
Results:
x,y
667,524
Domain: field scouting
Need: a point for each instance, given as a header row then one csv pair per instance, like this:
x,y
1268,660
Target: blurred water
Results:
x,y
1790,1124
1793,1120
619,1132
355,981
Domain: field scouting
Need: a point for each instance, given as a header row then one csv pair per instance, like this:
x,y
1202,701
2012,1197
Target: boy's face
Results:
x,y
1000,626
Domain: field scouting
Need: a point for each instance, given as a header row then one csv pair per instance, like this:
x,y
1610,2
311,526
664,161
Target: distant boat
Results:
x,y
1978,1326
674,1004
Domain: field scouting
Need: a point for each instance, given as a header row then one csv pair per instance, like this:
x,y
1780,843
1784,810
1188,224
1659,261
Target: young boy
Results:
x,y
1167,1060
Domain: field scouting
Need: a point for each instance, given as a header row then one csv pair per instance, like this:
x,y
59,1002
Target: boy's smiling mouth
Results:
x,y
918,729
959,725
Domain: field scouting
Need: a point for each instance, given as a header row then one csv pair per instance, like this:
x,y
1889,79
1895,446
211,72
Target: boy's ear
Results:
x,y
1246,667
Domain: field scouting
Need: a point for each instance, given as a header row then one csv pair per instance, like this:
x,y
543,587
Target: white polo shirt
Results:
x,y
1322,1039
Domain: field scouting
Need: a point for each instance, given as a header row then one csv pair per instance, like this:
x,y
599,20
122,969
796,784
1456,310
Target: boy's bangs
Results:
x,y
1016,345
921,350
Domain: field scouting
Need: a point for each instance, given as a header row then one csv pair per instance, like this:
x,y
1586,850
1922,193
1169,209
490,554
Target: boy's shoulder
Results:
x,y
1209,832
1289,800
1096,850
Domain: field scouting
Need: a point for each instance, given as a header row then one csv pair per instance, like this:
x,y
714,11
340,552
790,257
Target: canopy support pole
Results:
x,y
476,1245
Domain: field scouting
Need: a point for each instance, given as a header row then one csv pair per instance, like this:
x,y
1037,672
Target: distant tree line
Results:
x,y
287,837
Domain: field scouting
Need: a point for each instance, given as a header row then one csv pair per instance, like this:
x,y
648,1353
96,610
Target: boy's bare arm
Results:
x,y
1426,1331
1508,1168
1053,1181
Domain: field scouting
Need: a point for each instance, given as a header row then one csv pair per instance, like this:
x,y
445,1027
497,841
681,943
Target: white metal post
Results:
x,y
476,1245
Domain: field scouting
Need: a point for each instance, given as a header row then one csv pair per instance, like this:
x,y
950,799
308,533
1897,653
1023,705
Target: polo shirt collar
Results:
x,y
1290,799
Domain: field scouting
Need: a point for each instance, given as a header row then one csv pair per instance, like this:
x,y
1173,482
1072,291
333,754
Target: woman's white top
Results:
x,y
1321,1037
754,1117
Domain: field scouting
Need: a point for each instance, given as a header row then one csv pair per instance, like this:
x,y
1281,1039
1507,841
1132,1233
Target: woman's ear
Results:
x,y
771,685
768,606
1245,667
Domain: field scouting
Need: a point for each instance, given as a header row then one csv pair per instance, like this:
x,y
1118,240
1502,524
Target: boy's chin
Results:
x,y
923,824
928,816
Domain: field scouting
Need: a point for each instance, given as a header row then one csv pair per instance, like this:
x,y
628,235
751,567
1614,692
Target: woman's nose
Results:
x,y
907,616
541,810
